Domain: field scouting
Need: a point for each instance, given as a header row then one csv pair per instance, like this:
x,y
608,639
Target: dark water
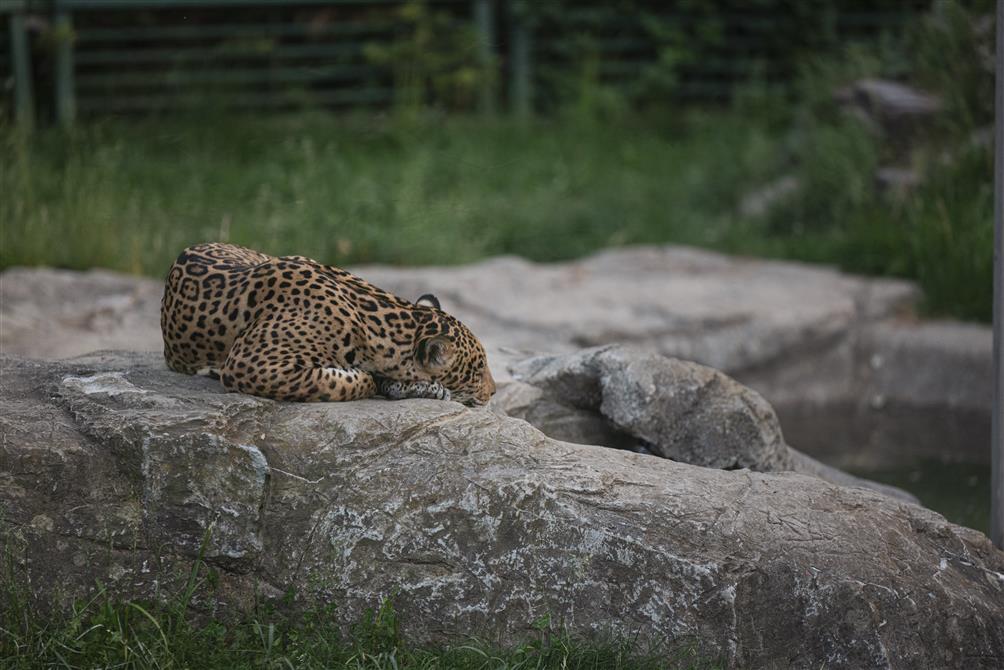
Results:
x,y
959,491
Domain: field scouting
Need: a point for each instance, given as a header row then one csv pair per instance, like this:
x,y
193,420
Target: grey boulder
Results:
x,y
631,399
472,522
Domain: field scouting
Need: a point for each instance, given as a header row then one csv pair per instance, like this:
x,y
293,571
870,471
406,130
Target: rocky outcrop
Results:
x,y
729,313
764,199
636,400
472,522
893,110
814,342
677,410
889,100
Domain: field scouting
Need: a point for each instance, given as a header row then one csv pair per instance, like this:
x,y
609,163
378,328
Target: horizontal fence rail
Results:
x,y
59,58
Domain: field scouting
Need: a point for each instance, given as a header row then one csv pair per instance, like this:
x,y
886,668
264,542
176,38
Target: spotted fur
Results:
x,y
291,328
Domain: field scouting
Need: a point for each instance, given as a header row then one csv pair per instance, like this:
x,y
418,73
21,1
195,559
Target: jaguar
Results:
x,y
291,328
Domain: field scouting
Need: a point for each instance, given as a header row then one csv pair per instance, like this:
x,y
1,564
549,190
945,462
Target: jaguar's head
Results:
x,y
450,354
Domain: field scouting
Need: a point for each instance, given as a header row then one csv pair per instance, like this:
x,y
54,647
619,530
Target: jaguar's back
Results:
x,y
204,302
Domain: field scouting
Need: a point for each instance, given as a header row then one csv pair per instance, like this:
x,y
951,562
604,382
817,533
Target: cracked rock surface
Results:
x,y
112,468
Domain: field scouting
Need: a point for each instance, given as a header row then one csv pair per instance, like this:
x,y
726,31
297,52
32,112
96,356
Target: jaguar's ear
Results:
x,y
428,300
434,353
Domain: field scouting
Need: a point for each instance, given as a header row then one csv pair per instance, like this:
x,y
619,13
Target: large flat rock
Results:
x,y
728,313
472,522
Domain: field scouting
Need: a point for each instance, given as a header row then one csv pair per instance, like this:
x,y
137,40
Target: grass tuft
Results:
x,y
105,632
129,196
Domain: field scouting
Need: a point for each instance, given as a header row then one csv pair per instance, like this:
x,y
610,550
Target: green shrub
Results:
x,y
939,233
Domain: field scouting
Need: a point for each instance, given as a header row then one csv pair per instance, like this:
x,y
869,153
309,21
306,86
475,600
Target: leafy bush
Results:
x,y
651,53
939,232
435,61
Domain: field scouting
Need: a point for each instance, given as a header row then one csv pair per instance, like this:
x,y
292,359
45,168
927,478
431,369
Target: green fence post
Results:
x,y
24,95
484,24
66,104
521,67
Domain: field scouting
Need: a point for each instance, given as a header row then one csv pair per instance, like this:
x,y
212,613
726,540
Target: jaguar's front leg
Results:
x,y
398,390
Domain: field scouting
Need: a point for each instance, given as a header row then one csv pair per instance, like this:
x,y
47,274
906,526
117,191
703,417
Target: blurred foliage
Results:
x,y
650,51
130,195
951,51
940,231
603,170
434,59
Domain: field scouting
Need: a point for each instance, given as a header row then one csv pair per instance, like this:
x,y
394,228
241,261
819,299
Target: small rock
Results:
x,y
889,100
981,138
761,201
689,413
897,182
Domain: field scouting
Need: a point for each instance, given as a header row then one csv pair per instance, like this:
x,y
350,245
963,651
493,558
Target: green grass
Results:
x,y
107,632
125,634
131,195
941,236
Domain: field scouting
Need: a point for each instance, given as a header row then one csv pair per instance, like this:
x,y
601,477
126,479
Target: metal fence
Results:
x,y
64,58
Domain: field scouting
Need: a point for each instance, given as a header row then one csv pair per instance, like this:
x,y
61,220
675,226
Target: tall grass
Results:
x,y
129,196
938,233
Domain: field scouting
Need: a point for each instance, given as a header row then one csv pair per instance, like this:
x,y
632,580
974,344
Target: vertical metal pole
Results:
x,y
484,23
24,95
521,73
997,459
66,104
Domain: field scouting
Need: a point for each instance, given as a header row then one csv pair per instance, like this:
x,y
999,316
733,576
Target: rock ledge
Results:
x,y
113,468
